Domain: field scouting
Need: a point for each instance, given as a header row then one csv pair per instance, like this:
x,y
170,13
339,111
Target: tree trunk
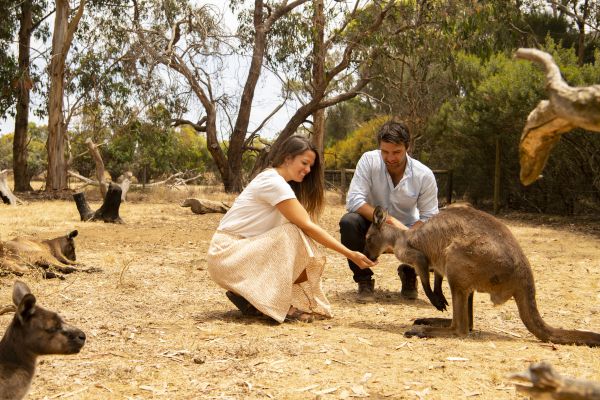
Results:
x,y
318,79
62,38
238,136
581,35
20,154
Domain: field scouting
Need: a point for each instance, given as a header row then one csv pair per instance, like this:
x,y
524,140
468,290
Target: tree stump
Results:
x,y
201,206
108,212
540,381
6,194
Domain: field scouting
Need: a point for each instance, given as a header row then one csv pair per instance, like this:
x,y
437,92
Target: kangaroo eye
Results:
x,y
53,329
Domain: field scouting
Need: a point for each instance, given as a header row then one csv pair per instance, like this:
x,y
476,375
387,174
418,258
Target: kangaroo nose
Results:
x,y
78,335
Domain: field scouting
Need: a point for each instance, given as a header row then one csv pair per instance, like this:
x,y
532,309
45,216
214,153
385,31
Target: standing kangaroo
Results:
x,y
34,331
474,251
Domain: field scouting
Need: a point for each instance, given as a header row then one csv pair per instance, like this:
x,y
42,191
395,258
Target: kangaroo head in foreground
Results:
x,y
34,331
476,252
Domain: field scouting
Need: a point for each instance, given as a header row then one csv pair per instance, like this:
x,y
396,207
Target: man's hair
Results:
x,y
394,132
310,191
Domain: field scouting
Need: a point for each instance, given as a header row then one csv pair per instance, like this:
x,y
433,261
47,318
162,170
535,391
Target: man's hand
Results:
x,y
394,222
361,260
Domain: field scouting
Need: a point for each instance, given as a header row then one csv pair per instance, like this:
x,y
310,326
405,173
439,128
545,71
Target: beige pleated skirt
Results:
x,y
263,268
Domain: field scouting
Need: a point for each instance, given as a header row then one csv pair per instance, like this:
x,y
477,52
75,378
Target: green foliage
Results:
x,y
496,97
37,160
6,143
8,65
345,153
344,117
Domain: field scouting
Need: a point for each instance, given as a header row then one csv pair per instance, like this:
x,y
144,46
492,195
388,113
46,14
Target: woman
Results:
x,y
263,251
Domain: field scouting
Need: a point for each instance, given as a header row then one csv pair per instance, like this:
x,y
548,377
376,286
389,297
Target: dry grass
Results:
x,y
158,327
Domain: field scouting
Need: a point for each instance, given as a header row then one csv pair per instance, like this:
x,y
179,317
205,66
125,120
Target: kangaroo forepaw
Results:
x,y
440,303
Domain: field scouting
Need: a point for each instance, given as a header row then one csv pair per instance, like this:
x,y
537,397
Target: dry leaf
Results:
x,y
359,391
326,391
420,394
366,377
365,341
306,389
457,359
344,394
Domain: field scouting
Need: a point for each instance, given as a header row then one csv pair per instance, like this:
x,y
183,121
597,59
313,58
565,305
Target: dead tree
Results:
x,y
6,194
540,381
201,206
108,212
567,108
99,165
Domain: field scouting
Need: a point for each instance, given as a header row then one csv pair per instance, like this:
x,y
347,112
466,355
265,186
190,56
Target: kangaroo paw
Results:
x,y
91,270
415,332
66,269
439,302
52,275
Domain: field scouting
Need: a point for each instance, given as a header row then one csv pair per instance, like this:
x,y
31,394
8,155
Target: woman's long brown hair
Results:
x,y
310,191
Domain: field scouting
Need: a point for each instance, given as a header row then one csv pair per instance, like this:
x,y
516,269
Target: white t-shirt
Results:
x,y
253,212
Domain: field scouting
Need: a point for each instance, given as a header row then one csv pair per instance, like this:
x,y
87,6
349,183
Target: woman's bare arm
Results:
x,y
296,214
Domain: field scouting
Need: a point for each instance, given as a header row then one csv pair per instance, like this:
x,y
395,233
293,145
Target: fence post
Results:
x,y
343,185
449,188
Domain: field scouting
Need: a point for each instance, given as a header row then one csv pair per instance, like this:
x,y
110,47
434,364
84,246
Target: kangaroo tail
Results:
x,y
532,319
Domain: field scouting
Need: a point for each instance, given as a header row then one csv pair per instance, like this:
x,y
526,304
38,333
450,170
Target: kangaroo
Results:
x,y
34,331
474,251
58,253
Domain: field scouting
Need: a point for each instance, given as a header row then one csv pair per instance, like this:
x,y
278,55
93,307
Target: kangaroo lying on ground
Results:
x,y
57,253
34,331
474,251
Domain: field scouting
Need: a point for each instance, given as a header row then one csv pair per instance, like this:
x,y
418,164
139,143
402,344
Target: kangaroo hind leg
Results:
x,y
460,319
446,322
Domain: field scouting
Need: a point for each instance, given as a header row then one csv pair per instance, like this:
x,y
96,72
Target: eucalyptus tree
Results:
x,y
188,41
327,56
32,16
585,16
7,60
65,25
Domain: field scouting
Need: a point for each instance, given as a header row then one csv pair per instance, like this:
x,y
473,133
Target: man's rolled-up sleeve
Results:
x,y
360,186
428,200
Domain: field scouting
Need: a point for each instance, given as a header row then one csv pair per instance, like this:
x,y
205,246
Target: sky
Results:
x,y
266,95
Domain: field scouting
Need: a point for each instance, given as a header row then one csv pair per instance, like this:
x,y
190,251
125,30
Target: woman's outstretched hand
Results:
x,y
361,260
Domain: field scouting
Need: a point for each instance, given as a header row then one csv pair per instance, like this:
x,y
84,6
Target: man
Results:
x,y
388,177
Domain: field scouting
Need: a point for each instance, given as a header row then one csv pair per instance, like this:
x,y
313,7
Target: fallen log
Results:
x,y
108,212
201,206
541,381
567,108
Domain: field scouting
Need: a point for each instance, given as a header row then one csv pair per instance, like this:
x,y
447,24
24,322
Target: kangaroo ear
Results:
x,y
72,234
20,289
379,216
26,307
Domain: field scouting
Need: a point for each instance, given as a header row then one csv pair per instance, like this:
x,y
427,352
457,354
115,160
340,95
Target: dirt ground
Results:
x,y
158,327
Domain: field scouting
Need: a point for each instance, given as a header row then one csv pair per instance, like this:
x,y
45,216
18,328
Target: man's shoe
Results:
x,y
408,277
366,291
